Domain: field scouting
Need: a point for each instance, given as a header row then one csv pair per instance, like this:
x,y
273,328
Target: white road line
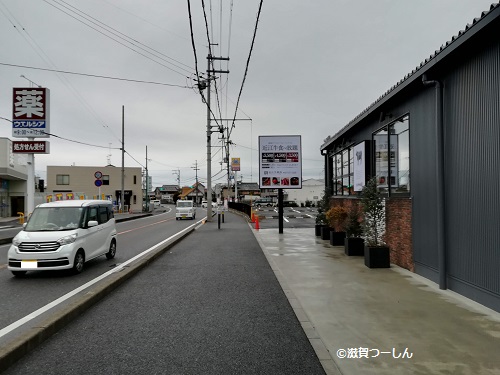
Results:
x,y
118,268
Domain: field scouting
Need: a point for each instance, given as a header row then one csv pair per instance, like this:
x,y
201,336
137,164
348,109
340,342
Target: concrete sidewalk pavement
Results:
x,y
379,321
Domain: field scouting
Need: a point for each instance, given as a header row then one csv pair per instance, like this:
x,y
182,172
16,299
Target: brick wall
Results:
x,y
398,233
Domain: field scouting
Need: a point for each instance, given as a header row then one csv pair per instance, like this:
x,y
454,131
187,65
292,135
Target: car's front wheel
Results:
x,y
112,250
78,262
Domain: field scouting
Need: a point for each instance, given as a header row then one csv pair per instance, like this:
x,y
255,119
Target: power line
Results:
x,y
94,75
105,26
117,41
82,143
247,64
194,46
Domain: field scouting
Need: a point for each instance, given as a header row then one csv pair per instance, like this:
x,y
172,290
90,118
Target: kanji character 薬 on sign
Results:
x,y
30,112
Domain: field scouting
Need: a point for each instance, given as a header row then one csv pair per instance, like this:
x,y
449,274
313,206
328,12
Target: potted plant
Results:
x,y
354,244
376,252
336,217
323,206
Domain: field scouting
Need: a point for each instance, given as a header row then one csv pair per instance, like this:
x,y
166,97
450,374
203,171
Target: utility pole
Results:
x,y
196,170
178,173
147,182
210,59
122,204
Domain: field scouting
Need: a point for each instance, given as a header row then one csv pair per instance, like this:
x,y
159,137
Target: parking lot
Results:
x,y
293,217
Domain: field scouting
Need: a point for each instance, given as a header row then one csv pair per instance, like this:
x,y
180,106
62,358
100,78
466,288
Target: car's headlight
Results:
x,y
67,239
16,241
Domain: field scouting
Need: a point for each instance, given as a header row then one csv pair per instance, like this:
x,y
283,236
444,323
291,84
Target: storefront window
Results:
x,y
343,172
401,131
392,156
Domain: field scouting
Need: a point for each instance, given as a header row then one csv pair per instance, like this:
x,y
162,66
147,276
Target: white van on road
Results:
x,y
64,235
185,209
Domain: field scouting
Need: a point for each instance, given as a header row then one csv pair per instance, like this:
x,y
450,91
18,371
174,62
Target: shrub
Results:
x,y
353,224
373,205
323,206
336,217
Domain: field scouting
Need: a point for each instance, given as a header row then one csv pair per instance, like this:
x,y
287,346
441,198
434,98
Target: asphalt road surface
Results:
x,y
210,305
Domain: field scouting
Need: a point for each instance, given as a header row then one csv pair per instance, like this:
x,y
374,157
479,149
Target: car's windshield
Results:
x,y
184,204
54,218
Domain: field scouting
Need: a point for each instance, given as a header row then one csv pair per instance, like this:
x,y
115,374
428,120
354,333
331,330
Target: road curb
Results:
x,y
22,345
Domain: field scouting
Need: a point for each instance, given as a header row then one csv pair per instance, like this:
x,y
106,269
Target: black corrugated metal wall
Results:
x,y
472,176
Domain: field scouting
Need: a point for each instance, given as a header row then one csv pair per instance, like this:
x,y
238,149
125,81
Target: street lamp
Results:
x,y
30,81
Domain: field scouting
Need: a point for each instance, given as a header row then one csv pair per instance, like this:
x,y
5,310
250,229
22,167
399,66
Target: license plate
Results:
x,y
29,264
184,215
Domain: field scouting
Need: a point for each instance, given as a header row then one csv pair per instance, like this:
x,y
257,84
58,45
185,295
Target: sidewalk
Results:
x,y
349,307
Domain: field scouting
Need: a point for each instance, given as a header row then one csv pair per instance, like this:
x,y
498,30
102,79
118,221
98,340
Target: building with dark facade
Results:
x,y
433,143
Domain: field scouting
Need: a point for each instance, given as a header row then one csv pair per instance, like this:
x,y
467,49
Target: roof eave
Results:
x,y
463,36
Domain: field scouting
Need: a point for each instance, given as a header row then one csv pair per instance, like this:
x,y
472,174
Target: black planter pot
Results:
x,y
325,232
317,229
337,238
377,257
354,246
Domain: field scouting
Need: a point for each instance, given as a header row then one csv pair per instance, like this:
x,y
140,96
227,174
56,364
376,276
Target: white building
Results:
x,y
13,180
312,190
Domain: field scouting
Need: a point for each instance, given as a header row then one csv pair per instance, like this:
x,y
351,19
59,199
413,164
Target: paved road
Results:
x,y
210,305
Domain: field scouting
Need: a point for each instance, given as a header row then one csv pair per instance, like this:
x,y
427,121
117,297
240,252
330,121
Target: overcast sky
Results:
x,y
315,65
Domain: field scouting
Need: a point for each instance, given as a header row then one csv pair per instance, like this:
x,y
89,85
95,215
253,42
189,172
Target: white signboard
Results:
x,y
30,112
360,158
280,162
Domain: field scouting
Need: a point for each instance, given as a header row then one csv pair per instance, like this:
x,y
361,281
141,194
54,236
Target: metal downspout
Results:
x,y
439,181
326,172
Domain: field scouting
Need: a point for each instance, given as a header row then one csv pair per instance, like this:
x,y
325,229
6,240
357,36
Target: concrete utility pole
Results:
x,y
122,203
196,170
210,59
147,182
178,173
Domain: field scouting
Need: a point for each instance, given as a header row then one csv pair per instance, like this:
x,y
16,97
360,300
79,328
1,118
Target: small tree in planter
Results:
x,y
323,206
376,252
336,217
353,243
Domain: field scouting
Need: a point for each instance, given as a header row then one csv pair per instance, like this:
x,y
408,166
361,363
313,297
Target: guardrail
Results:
x,y
242,207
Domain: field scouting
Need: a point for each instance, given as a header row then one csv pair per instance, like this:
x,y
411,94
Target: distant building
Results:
x,y
312,191
71,182
195,193
166,193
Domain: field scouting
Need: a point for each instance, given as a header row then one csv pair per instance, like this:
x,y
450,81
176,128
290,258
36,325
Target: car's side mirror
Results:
x,y
92,223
